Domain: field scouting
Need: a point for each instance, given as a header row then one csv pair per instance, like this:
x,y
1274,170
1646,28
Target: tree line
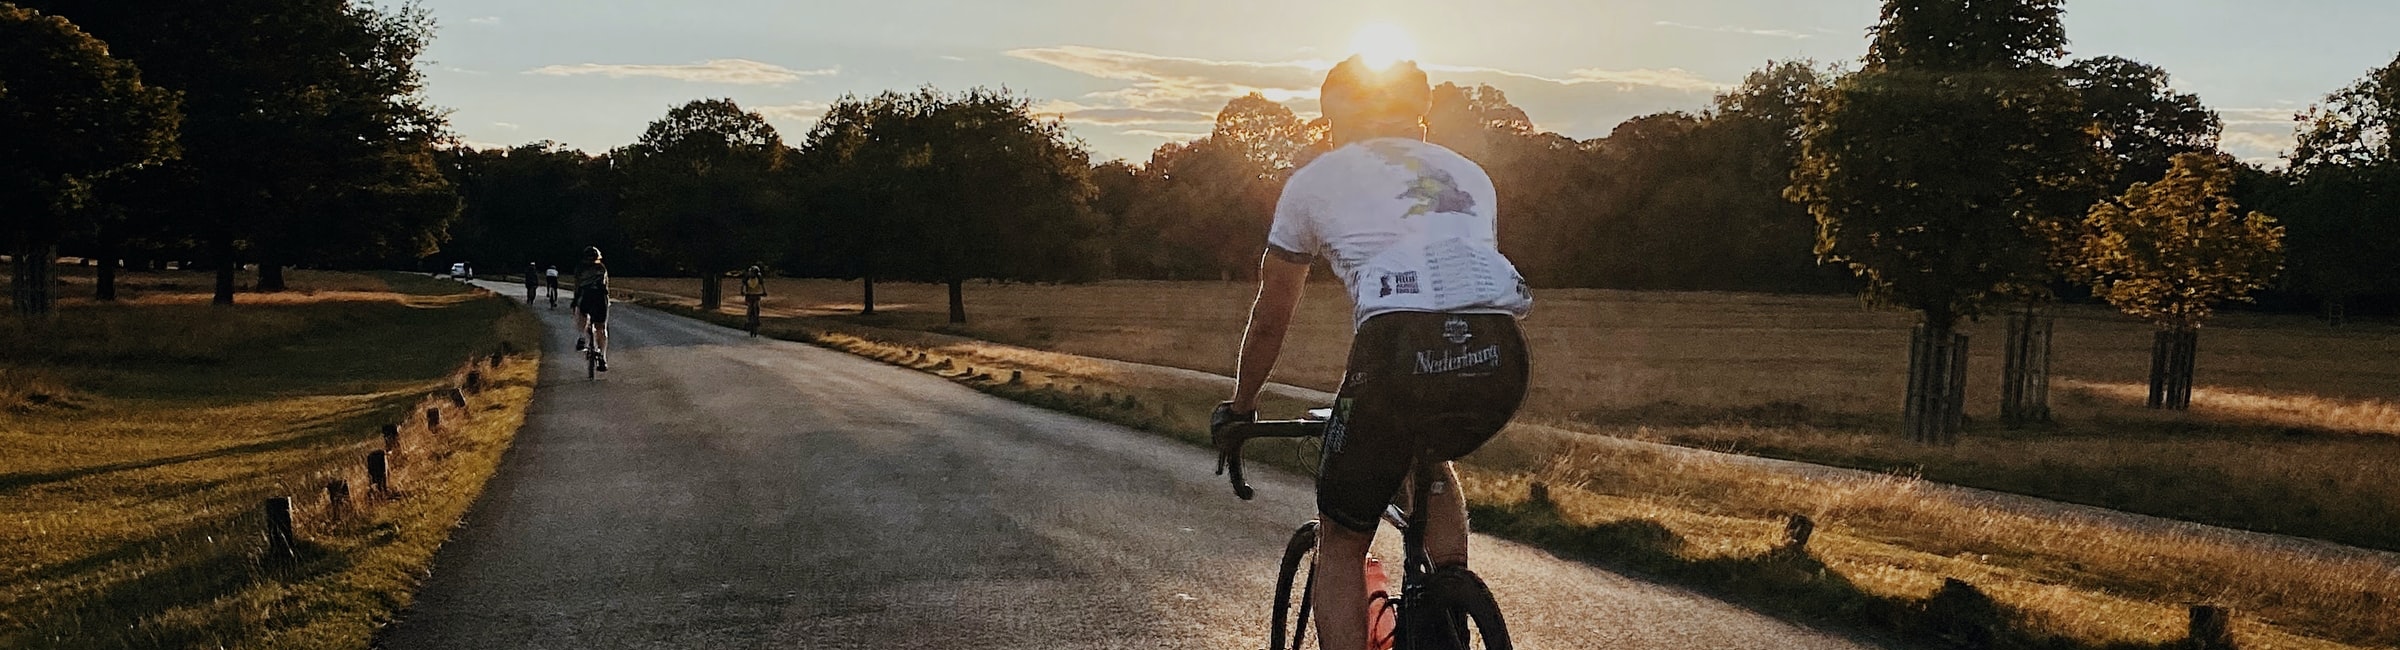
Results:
x,y
277,133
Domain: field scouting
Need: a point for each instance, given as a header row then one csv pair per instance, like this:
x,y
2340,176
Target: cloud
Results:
x,y
2260,147
1735,29
804,111
1175,136
1167,91
2282,115
947,57
512,126
484,20
722,71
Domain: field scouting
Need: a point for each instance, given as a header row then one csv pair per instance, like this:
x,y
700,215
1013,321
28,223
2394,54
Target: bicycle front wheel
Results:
x,y
1299,553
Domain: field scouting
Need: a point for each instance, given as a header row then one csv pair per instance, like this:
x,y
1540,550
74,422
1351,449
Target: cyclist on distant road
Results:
x,y
754,289
1437,364
533,281
550,276
591,305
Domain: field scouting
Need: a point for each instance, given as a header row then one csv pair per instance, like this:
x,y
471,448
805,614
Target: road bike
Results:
x,y
1442,608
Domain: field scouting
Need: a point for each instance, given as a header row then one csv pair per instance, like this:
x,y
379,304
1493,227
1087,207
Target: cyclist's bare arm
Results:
x,y
1279,283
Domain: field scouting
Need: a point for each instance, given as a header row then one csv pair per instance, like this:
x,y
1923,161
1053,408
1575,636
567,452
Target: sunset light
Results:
x,y
1383,44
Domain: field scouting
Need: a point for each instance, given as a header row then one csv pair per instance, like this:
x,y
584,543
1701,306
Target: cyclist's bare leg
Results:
x,y
600,337
1341,588
1446,521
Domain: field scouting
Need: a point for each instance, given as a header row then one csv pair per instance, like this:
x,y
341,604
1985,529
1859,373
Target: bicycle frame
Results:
x,y
1436,610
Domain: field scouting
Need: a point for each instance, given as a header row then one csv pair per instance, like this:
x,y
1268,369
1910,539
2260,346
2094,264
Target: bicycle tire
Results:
x,y
1300,551
1438,614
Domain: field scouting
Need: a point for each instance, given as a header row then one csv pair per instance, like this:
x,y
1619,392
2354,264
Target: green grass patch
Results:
x,y
132,495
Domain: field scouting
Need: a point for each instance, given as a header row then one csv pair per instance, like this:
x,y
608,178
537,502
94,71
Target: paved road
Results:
x,y
715,491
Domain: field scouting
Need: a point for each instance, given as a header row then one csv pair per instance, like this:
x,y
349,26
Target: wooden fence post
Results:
x,y
433,419
379,472
337,497
474,383
391,437
2212,628
279,528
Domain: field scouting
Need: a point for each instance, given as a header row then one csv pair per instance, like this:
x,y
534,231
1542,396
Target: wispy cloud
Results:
x,y
1165,92
947,57
484,20
2281,115
721,71
1735,29
804,111
512,126
1173,136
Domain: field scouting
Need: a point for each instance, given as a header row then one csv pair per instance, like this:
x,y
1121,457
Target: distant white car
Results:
x,y
459,270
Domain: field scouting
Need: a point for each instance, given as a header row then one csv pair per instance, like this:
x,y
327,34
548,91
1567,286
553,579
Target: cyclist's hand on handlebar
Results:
x,y
1225,415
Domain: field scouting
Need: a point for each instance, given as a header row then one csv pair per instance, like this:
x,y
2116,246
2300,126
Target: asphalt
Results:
x,y
718,491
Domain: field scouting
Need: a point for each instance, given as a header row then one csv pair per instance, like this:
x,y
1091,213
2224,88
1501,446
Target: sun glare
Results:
x,y
1383,44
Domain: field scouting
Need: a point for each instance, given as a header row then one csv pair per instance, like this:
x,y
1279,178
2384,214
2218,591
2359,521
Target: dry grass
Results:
x,y
134,516
2274,442
1886,543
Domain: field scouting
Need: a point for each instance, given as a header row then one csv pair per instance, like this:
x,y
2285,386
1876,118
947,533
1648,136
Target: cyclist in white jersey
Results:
x,y
1437,365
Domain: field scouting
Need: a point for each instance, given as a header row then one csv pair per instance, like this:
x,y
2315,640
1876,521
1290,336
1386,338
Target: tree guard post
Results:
x,y
2211,628
379,472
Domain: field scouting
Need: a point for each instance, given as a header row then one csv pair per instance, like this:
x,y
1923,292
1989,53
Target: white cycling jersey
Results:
x,y
1407,224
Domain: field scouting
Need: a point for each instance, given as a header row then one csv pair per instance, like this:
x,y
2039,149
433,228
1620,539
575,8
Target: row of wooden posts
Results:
x,y
282,538
1935,410
2210,627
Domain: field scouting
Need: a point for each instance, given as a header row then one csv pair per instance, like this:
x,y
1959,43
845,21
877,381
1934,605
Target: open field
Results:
x,y
138,439
1885,543
2294,429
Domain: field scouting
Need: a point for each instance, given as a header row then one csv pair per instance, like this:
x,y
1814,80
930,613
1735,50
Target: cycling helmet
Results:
x,y
592,253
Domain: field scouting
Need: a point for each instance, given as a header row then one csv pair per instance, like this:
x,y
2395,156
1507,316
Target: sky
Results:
x,y
1130,75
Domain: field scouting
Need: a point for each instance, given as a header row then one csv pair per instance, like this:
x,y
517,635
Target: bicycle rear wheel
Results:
x,y
1300,552
1449,612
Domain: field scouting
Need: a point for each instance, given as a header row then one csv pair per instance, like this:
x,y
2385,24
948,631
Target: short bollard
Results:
x,y
391,437
1538,492
1796,531
474,381
1016,376
458,397
337,497
379,472
500,356
2212,627
279,527
433,419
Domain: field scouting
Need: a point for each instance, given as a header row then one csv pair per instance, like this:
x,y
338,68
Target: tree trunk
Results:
x,y
958,301
2173,353
35,268
1937,372
222,252
270,273
867,304
712,290
2025,387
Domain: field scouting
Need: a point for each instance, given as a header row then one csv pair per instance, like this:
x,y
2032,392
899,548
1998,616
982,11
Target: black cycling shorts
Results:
x,y
594,304
1439,383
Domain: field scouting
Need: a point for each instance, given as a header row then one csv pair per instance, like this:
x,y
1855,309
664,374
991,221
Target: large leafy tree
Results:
x,y
701,190
540,202
296,114
70,115
1943,170
2344,208
2142,123
2169,251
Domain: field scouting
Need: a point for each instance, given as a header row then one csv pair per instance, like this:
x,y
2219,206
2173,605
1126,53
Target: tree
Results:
x,y
701,189
1940,172
293,110
2344,213
2143,124
70,115
539,202
2169,251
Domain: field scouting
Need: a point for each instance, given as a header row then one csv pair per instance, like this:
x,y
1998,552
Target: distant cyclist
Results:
x,y
1437,365
550,275
754,289
533,281
591,305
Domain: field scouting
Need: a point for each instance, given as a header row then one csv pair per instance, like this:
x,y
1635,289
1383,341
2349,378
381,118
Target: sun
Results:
x,y
1382,44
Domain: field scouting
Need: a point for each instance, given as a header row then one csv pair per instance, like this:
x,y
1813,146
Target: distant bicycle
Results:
x,y
1445,609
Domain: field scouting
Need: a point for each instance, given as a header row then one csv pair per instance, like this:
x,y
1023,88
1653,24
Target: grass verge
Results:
x,y
133,497
1883,560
